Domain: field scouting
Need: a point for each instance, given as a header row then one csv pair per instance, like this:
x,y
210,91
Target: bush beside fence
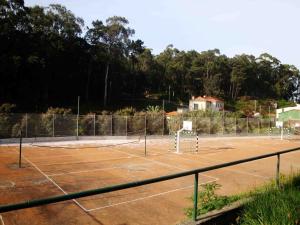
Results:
x,y
66,124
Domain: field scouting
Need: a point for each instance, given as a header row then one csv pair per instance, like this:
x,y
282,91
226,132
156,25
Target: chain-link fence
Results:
x,y
61,125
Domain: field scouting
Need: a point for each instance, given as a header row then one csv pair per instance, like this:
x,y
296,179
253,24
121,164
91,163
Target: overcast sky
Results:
x,y
233,26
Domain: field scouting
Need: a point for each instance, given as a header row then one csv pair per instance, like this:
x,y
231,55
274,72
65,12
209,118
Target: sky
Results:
x,y
233,26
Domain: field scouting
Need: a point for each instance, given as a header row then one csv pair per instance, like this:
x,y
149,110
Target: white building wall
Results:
x,y
204,105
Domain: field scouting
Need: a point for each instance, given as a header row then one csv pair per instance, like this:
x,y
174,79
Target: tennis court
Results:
x,y
56,168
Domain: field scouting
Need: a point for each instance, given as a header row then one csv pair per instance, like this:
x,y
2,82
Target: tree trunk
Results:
x,y
105,85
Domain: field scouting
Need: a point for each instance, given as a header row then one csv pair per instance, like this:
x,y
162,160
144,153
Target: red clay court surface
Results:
x,y
55,171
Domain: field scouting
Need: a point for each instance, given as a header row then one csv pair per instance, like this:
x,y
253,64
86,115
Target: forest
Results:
x,y
48,57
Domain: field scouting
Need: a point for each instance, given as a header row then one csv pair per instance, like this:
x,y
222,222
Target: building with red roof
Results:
x,y
206,103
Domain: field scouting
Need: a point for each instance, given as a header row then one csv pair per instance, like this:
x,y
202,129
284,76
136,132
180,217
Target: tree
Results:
x,y
114,37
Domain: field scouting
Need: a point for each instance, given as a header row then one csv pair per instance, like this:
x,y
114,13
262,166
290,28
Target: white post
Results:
x,y
178,141
281,138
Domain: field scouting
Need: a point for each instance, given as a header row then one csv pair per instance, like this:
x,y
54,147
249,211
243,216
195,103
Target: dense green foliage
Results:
x,y
274,206
46,59
265,205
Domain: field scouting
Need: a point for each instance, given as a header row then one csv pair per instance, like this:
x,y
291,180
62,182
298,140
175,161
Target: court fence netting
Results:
x,y
70,125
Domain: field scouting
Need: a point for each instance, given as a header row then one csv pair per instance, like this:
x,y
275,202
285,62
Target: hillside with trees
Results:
x,y
49,57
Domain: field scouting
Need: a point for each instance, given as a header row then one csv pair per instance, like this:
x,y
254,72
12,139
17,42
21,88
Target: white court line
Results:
x,y
53,182
150,196
138,199
1,220
107,168
166,165
76,162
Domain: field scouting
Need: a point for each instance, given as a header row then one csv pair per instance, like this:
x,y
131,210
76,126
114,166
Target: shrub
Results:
x,y
208,200
7,120
64,122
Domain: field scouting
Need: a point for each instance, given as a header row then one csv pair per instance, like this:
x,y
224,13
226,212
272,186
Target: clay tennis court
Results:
x,y
52,170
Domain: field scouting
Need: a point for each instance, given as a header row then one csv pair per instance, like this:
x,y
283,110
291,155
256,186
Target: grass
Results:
x,y
208,200
274,206
268,205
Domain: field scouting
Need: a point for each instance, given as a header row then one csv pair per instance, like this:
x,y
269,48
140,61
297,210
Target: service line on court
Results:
x,y
53,182
150,196
93,170
77,162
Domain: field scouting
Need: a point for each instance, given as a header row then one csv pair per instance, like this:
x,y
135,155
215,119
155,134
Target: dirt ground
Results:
x,y
50,171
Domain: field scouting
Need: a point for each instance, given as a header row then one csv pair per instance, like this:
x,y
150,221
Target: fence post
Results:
x,y
197,142
53,132
111,125
195,197
277,170
20,150
209,128
26,124
145,122
163,125
126,128
145,134
247,125
235,126
94,124
258,124
269,125
223,127
77,126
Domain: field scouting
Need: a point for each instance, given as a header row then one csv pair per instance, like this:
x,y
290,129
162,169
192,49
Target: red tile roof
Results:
x,y
173,113
208,98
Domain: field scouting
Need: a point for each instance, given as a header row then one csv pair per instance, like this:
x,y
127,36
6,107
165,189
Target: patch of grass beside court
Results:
x,y
271,205
267,205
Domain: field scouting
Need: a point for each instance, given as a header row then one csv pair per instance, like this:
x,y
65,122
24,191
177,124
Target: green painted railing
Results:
x,y
195,172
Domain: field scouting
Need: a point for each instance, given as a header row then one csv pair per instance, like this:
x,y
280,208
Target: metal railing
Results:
x,y
195,172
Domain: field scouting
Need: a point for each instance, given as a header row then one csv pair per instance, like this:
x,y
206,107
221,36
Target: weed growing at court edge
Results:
x,y
271,205
208,200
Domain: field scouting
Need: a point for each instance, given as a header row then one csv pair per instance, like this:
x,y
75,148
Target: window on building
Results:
x,y
195,106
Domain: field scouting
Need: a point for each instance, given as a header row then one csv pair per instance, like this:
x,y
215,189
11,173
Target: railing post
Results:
x,y
278,170
195,197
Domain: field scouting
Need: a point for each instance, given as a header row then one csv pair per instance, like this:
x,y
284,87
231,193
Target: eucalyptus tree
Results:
x,y
114,37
